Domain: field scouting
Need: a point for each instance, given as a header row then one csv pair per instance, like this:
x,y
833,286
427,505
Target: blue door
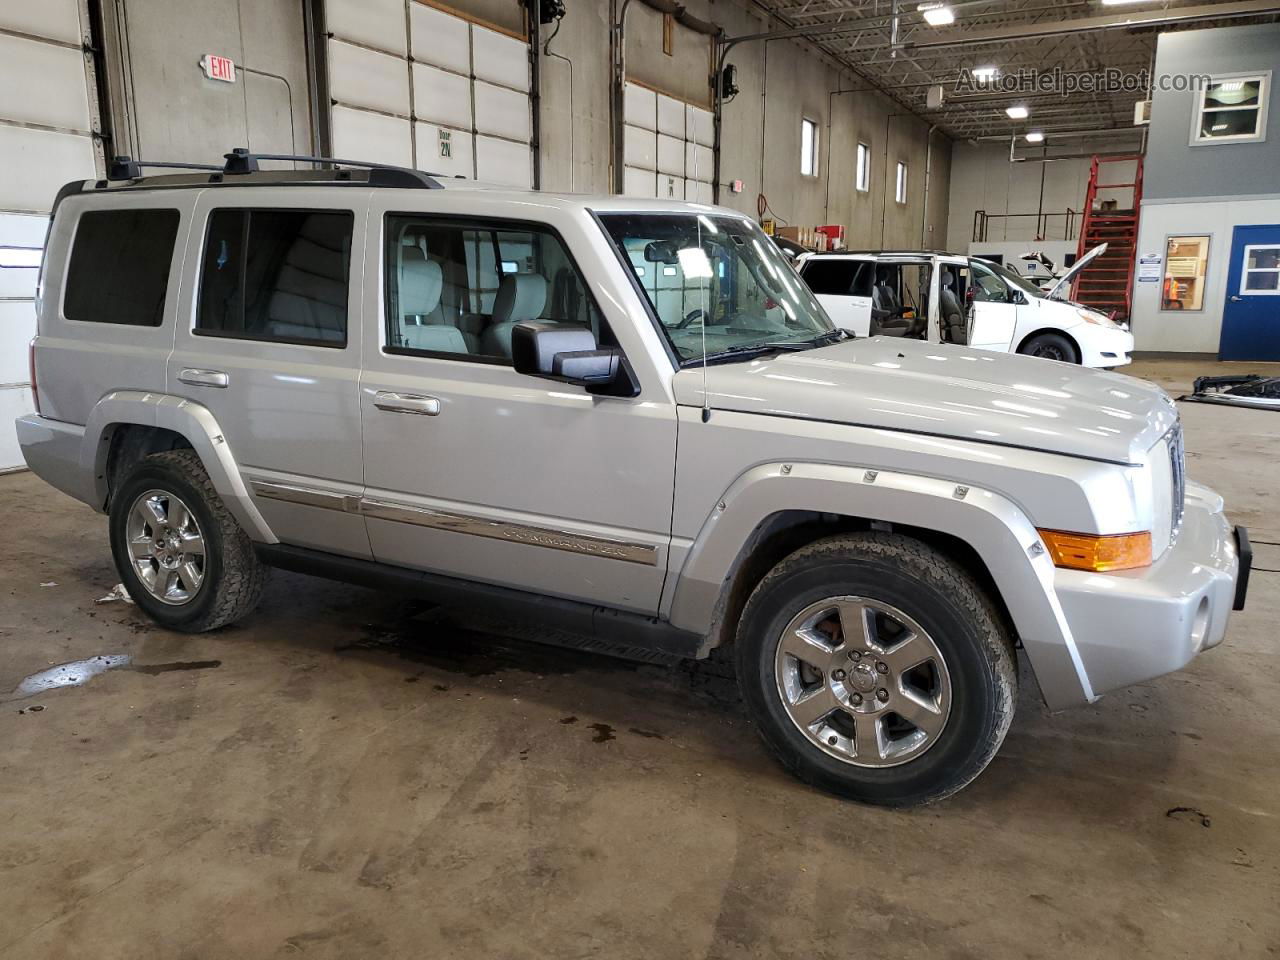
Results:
x,y
1251,312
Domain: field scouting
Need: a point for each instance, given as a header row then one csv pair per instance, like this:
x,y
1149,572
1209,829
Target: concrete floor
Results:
x,y
346,775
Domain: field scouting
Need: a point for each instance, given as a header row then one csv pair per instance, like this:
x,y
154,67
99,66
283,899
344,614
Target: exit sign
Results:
x,y
218,68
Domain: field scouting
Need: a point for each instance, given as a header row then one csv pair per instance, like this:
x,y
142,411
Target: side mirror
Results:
x,y
1017,296
568,352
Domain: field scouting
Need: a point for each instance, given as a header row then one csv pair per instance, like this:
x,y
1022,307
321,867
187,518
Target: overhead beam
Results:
x,y
1113,21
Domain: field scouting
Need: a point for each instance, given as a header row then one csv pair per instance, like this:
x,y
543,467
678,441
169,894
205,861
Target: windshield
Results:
x,y
718,276
1016,279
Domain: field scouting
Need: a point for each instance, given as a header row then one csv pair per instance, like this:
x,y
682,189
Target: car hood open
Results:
x,y
942,390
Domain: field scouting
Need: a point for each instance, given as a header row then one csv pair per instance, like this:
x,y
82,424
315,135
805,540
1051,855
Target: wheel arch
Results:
x,y
127,425
1056,331
985,533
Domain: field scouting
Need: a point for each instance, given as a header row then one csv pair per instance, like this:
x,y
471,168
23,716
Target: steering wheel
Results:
x,y
689,317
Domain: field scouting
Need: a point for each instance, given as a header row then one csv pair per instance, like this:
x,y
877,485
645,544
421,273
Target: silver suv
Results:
x,y
629,418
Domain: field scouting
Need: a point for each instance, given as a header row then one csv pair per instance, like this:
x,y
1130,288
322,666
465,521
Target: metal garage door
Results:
x,y
417,86
47,122
667,147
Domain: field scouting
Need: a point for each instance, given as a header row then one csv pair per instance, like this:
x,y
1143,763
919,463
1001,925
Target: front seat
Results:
x,y
952,313
421,281
521,297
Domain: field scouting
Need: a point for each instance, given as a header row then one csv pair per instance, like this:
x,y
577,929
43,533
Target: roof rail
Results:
x,y
127,168
240,162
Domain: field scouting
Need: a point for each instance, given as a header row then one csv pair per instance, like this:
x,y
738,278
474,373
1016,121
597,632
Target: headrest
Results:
x,y
521,296
420,283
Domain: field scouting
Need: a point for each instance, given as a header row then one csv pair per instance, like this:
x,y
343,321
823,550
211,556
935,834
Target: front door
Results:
x,y
1251,313
478,472
993,312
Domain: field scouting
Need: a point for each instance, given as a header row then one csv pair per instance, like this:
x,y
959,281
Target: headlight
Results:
x,y
1088,316
1098,554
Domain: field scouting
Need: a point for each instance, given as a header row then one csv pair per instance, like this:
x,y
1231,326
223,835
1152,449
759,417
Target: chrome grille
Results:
x,y
1178,471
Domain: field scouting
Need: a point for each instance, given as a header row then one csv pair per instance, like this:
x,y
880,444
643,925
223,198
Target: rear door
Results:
x,y
1251,314
843,287
993,313
268,340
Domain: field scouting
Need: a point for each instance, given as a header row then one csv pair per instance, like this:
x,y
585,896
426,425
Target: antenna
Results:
x,y
706,280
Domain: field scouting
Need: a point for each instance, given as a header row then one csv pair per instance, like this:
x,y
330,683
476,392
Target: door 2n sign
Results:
x,y
218,68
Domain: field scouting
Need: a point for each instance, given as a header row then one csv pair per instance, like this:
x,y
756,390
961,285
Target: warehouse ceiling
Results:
x,y
1075,36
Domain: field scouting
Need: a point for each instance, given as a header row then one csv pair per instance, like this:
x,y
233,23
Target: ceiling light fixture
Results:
x,y
1018,113
1121,3
987,73
1035,136
936,14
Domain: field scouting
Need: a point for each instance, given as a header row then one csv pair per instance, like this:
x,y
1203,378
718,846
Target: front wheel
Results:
x,y
877,669
1051,346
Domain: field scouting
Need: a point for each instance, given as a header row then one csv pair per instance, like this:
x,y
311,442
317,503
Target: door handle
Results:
x,y
1236,299
204,378
406,403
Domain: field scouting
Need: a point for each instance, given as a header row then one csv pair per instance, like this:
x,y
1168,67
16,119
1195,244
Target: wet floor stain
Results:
x,y
79,672
1188,813
155,669
604,733
568,720
71,674
649,734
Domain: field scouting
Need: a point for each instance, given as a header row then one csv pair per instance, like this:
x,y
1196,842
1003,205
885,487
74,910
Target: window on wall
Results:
x,y
1232,109
900,188
808,148
863,175
1185,259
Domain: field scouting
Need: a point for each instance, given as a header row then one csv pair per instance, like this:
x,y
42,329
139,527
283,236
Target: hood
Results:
x,y
976,395
1076,267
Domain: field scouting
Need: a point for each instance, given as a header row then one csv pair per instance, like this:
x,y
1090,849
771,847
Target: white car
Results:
x,y
951,298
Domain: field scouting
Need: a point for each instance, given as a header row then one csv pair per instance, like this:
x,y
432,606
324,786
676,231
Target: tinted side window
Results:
x,y
279,275
460,287
864,280
120,266
832,277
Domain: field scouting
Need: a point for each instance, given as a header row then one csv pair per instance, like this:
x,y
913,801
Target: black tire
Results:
x,y
233,577
1051,346
939,596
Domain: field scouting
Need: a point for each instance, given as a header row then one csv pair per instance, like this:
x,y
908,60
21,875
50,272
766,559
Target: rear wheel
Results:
x,y
179,552
875,668
1051,346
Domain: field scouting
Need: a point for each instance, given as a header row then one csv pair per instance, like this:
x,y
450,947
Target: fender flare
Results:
x,y
989,522
191,420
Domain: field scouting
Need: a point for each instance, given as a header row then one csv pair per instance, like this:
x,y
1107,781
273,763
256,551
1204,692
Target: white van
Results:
x,y
951,298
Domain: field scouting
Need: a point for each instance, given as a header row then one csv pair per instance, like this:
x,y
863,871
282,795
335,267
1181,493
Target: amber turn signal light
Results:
x,y
1098,554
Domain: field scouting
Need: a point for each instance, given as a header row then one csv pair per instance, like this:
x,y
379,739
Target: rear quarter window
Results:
x,y
119,269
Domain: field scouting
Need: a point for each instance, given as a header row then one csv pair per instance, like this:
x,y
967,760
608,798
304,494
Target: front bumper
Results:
x,y
1138,624
1104,346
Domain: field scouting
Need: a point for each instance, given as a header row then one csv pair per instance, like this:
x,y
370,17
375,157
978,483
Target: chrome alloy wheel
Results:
x,y
863,681
166,547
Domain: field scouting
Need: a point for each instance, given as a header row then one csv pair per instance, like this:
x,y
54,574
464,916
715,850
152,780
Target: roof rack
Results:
x,y
240,162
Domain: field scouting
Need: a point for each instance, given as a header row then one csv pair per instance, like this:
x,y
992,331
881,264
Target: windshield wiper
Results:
x,y
748,350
